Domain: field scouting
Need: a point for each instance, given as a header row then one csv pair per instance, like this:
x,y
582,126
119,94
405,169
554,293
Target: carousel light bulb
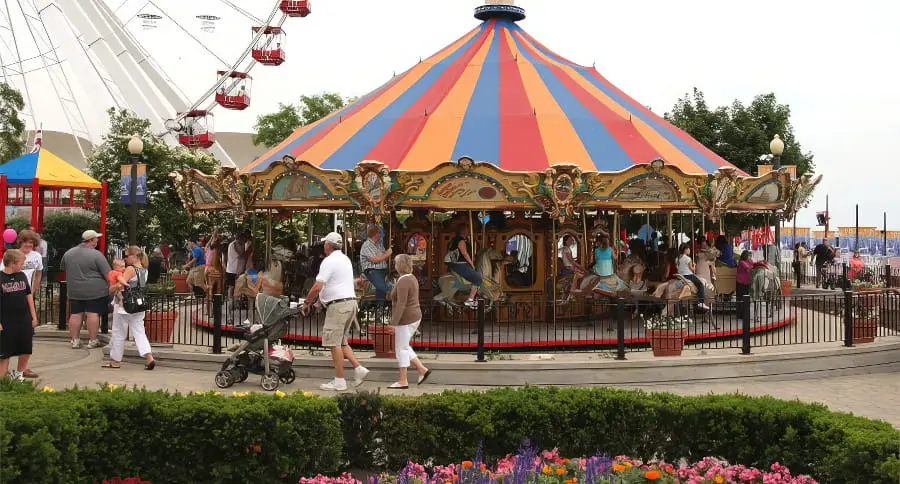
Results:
x,y
776,146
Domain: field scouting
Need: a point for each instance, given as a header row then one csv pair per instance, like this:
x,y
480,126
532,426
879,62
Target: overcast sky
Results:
x,y
833,63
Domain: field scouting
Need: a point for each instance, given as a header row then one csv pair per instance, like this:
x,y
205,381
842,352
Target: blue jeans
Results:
x,y
376,277
467,272
701,289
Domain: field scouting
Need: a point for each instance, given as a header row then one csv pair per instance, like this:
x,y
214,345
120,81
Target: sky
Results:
x,y
833,65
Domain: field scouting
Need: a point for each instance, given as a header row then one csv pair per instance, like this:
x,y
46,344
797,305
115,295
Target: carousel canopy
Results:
x,y
500,96
49,169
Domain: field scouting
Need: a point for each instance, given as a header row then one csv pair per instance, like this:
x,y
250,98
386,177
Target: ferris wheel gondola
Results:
x,y
296,8
236,95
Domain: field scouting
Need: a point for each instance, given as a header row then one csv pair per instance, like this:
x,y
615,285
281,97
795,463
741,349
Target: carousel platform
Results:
x,y
461,333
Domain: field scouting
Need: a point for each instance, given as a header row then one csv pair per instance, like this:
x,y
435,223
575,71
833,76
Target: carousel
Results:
x,y
535,160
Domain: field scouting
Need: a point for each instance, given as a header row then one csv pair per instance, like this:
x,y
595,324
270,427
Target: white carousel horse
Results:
x,y
268,282
680,289
765,288
632,272
488,262
609,286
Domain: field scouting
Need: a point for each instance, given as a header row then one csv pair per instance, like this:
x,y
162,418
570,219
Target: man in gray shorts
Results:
x,y
334,287
86,271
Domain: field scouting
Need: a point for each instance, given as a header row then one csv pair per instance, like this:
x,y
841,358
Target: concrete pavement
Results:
x,y
871,392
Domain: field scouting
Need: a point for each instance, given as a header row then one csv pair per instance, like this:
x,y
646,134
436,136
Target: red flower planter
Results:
x,y
667,342
181,285
383,338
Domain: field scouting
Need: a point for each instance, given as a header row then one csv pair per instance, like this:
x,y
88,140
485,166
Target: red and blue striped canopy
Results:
x,y
500,96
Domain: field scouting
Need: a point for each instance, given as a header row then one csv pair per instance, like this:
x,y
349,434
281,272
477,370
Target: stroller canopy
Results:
x,y
272,310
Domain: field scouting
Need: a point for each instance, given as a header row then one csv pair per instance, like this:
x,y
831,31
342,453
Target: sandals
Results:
x,y
424,377
110,366
150,366
398,386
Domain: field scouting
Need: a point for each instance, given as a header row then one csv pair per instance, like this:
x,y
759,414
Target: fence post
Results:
x,y
62,322
846,281
479,356
217,323
620,329
744,303
798,270
848,318
887,276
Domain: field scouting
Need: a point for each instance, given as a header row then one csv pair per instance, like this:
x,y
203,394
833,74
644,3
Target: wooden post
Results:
x,y
35,201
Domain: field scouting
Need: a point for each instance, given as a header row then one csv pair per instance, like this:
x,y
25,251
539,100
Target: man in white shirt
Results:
x,y
235,263
335,289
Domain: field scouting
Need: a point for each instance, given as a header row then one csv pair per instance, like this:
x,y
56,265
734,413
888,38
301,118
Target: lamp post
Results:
x,y
135,147
776,146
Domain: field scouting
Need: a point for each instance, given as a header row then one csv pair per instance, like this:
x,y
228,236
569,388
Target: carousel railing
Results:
x,y
608,327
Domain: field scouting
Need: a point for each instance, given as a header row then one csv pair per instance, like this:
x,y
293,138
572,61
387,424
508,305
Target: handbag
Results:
x,y
134,299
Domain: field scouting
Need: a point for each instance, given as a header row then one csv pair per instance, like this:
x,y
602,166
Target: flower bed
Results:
x,y
88,435
548,467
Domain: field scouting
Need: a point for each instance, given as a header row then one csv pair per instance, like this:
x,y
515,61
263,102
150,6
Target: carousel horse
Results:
x,y
765,287
679,289
268,282
609,286
488,262
632,273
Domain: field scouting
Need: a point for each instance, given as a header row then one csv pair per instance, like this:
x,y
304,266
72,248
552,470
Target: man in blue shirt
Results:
x,y
196,267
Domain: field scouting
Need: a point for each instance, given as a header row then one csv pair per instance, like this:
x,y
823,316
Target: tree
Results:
x,y
12,129
273,128
163,218
741,134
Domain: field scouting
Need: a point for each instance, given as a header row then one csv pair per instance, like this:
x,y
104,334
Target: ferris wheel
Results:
x,y
87,49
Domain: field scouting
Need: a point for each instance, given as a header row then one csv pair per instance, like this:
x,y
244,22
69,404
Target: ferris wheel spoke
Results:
x,y
242,11
189,34
30,106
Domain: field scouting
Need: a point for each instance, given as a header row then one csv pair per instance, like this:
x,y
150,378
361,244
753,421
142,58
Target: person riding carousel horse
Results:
x,y
603,279
464,273
683,284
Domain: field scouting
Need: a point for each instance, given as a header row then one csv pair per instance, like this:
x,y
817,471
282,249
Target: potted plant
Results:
x,y
666,333
377,320
865,310
179,278
160,320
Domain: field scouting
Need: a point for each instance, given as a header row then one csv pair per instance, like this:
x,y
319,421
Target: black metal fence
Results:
x,y
617,326
838,275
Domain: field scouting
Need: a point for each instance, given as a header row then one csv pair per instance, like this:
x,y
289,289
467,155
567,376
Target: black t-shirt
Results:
x,y
823,254
454,244
13,302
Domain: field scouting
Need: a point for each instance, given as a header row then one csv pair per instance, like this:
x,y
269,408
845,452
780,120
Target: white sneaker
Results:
x,y
334,385
703,306
16,375
76,343
94,343
359,374
471,303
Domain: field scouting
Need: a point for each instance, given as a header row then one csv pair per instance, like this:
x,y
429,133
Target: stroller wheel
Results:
x,y
240,374
224,379
289,378
269,382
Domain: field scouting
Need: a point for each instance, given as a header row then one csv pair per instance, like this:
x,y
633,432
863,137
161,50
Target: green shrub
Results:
x,y
86,436
62,231
807,438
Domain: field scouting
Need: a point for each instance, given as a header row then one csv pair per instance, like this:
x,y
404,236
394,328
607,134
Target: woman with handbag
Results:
x,y
130,310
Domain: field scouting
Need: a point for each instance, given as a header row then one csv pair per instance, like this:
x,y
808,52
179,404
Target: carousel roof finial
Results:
x,y
498,9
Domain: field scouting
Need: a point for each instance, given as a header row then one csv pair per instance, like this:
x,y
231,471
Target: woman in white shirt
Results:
x,y
34,263
686,269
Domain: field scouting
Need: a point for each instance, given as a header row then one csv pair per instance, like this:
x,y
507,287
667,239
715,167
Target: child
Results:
x,y
743,277
686,269
16,311
116,275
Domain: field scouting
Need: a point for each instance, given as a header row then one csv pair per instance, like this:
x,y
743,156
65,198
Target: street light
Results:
x,y
135,147
776,146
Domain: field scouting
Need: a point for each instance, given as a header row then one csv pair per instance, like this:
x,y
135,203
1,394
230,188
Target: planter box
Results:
x,y
160,325
864,330
786,287
181,285
667,342
383,339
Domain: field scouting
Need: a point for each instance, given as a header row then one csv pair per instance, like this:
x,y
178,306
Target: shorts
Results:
x,y
96,306
15,339
339,319
230,279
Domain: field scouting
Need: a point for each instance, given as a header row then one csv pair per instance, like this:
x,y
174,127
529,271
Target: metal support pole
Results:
x,y
620,329
884,237
217,324
856,245
63,322
744,310
778,241
132,197
479,356
848,318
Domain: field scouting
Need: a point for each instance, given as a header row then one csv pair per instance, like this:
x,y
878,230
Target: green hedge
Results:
x,y
82,436
87,436
832,447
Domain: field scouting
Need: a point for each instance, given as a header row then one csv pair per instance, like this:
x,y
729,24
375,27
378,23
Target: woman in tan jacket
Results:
x,y
405,319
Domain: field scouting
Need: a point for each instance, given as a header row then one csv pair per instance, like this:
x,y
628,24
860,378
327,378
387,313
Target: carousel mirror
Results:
x,y
567,253
417,248
520,273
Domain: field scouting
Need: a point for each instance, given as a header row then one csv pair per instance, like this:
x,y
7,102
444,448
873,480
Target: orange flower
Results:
x,y
467,464
652,475
719,479
669,468
547,470
483,467
618,467
560,471
565,461
573,480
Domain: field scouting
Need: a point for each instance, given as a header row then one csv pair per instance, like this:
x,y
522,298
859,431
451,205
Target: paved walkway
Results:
x,y
873,395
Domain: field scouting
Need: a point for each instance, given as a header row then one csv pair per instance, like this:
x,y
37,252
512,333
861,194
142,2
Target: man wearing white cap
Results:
x,y
334,288
86,270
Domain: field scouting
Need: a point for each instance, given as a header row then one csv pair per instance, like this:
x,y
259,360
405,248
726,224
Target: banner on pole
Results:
x,y
125,190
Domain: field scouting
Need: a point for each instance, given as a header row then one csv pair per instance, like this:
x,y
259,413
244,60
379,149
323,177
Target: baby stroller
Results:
x,y
254,355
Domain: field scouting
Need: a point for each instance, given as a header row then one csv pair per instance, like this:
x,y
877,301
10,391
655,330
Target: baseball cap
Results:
x,y
334,238
88,235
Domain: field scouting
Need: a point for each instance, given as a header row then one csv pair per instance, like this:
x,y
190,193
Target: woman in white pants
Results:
x,y
123,322
405,319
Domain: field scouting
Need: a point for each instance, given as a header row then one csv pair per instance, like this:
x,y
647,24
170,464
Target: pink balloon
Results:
x,y
9,236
